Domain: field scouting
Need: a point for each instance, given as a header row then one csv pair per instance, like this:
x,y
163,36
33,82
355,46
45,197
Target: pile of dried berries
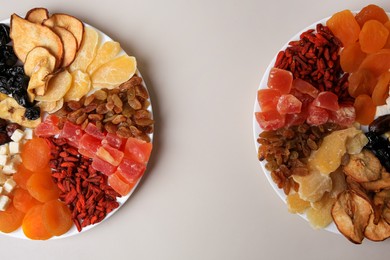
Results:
x,y
82,188
122,111
315,59
286,151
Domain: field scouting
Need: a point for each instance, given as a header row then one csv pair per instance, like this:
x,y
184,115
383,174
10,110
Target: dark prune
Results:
x,y
21,98
3,123
4,138
16,70
380,147
8,56
4,34
11,128
380,125
32,113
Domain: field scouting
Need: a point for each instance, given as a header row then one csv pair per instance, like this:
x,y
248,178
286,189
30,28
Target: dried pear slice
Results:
x,y
27,35
57,87
81,85
70,45
37,83
11,110
37,15
47,105
104,54
363,167
351,213
68,22
377,185
377,232
37,58
386,214
114,72
87,50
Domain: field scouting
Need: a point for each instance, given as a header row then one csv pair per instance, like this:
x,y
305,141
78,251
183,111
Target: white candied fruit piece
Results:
x,y
3,159
9,185
28,134
4,202
16,159
9,168
1,190
4,149
3,178
14,147
17,135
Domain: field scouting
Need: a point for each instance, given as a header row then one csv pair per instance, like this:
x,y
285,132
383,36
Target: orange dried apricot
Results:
x,y
377,63
381,91
351,57
22,175
365,109
387,45
361,82
373,36
371,12
57,217
23,201
42,187
344,26
10,219
35,154
33,224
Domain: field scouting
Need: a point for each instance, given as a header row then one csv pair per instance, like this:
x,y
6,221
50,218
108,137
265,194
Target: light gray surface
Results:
x,y
204,196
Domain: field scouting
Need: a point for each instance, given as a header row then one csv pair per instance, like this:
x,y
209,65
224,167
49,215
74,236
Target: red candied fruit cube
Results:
x,y
344,116
73,133
304,87
119,184
280,79
327,100
289,104
130,170
317,115
94,131
270,120
138,150
89,145
113,140
103,166
268,98
110,155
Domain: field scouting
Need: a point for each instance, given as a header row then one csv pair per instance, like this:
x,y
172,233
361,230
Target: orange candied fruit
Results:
x,y
35,154
345,27
371,12
365,109
373,36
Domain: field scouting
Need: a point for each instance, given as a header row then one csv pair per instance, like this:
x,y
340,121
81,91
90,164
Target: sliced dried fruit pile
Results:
x,y
96,146
322,88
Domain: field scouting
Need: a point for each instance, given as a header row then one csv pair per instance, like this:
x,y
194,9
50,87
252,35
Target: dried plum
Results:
x,y
21,98
380,125
32,113
8,56
380,147
4,138
11,128
4,34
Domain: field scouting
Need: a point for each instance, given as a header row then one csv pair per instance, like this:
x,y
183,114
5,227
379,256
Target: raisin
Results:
x,y
4,138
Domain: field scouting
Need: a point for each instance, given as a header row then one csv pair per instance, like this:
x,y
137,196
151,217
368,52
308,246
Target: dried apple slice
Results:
x,y
37,15
70,45
81,84
351,213
70,23
377,185
363,167
104,54
87,50
11,110
47,105
27,35
115,72
57,87
377,232
37,58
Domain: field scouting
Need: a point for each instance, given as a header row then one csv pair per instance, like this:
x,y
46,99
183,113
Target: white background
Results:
x,y
204,195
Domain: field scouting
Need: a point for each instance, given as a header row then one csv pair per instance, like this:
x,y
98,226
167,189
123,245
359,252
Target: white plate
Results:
x,y
257,130
73,231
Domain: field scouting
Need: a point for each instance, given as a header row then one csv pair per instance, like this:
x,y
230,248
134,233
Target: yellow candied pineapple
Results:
x,y
81,84
87,50
104,54
295,204
319,215
313,186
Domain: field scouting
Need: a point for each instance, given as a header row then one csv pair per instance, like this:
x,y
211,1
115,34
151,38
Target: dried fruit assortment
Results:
x,y
321,92
75,125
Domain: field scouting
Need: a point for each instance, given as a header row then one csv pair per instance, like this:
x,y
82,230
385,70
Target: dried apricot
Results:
x,y
381,91
11,219
373,36
362,81
344,26
57,217
351,57
377,63
22,175
35,154
23,201
42,187
365,109
387,25
371,12
33,224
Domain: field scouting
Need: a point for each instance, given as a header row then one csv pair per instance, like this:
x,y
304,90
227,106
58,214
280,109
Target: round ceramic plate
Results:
x,y
73,231
257,130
